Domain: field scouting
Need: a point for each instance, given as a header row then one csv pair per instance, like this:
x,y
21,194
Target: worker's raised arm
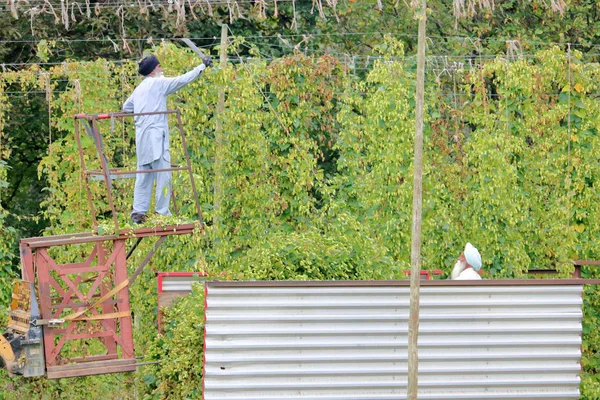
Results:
x,y
128,105
171,85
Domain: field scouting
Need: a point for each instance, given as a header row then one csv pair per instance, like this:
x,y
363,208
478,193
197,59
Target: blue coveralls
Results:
x,y
152,138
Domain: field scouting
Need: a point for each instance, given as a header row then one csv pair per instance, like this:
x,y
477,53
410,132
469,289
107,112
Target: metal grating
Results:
x,y
347,342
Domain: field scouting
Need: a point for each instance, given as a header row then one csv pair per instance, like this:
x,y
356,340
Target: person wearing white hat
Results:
x,y
467,265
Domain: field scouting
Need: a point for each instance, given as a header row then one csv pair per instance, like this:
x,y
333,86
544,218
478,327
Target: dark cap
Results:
x,y
148,64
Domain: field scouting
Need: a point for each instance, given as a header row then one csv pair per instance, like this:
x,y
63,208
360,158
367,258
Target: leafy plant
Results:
x,y
311,178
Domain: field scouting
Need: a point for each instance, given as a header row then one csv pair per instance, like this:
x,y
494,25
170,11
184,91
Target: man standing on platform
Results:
x,y
152,133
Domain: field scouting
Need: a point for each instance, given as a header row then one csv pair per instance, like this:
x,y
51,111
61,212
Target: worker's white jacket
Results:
x,y
152,131
468,274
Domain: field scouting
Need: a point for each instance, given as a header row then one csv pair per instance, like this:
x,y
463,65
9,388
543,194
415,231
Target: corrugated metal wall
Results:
x,y
178,281
475,342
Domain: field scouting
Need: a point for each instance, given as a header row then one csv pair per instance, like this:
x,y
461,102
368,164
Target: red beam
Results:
x,y
49,241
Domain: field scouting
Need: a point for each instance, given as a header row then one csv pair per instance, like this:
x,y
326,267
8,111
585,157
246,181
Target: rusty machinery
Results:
x,y
21,346
82,324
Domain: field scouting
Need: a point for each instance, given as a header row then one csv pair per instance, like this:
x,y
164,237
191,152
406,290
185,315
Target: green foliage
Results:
x,y
24,143
7,232
307,174
342,251
375,155
8,235
112,387
179,351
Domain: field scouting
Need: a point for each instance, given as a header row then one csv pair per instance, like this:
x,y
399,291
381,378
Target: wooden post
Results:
x,y
218,189
415,253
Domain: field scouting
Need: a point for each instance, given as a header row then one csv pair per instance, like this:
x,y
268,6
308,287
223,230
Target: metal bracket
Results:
x,y
52,323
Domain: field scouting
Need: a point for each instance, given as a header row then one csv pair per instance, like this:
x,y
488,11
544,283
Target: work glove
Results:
x,y
207,61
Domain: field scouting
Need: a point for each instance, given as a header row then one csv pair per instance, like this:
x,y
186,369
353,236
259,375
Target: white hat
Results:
x,y
472,256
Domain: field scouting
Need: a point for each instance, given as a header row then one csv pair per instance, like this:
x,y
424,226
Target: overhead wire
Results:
x,y
23,94
469,39
436,62
298,35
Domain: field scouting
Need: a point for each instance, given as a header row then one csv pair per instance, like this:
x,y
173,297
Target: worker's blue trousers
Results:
x,y
144,182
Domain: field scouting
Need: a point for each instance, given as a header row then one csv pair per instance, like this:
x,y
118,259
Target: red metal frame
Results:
x,y
426,273
97,286
65,289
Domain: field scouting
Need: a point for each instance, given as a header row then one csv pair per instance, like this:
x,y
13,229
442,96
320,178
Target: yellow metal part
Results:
x,y
7,354
21,346
19,314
